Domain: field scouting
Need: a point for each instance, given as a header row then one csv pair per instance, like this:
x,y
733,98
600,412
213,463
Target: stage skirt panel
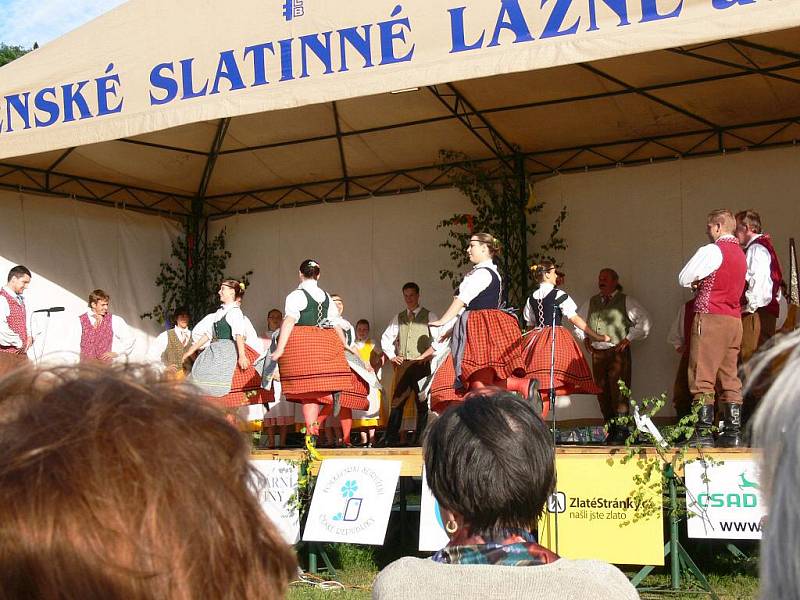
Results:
x,y
493,340
571,373
442,391
314,363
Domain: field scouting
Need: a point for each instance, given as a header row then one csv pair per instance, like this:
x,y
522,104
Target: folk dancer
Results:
x,y
15,339
280,413
104,337
170,346
367,420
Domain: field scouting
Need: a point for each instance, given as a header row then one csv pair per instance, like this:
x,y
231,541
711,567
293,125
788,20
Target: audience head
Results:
x,y
115,485
309,269
748,226
337,300
608,281
720,222
231,290
489,464
544,271
98,302
482,246
181,317
274,318
411,295
19,277
362,330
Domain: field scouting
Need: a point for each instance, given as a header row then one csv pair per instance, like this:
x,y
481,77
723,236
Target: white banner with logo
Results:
x,y
352,501
432,536
275,491
724,500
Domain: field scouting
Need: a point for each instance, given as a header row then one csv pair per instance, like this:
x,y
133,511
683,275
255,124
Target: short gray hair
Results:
x,y
776,430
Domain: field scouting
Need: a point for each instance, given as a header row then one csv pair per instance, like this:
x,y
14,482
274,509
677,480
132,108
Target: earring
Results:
x,y
451,526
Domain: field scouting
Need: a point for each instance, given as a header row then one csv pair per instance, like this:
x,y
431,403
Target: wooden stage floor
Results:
x,y
412,457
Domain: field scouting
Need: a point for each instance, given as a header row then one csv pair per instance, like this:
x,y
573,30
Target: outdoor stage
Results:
x,y
412,457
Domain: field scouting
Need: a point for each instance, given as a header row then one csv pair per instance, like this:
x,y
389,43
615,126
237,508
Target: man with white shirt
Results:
x,y
624,320
104,337
404,342
170,346
760,307
15,338
717,271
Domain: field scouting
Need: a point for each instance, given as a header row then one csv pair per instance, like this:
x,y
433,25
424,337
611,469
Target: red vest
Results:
x,y
96,341
17,320
721,292
774,273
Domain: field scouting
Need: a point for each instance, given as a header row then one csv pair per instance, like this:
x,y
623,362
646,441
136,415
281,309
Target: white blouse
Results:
x,y
296,302
233,315
568,306
476,281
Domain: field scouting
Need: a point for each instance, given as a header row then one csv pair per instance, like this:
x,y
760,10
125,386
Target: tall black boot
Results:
x,y
422,422
731,436
392,435
618,433
702,435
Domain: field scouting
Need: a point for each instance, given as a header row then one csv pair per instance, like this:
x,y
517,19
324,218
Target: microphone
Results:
x,y
52,309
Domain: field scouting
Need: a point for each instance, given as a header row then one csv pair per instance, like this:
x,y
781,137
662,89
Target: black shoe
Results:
x,y
618,435
337,403
731,436
702,435
534,397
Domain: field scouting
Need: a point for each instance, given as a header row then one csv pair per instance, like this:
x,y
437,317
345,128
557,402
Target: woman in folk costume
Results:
x,y
224,370
544,308
311,358
367,420
485,346
281,411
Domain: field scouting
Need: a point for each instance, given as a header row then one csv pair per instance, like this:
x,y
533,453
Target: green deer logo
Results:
x,y
747,484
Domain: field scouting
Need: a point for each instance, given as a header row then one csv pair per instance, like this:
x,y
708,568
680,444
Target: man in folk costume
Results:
x,y
624,320
717,271
14,335
170,346
404,342
104,337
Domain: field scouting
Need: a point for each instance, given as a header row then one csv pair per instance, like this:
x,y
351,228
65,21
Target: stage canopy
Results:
x,y
252,105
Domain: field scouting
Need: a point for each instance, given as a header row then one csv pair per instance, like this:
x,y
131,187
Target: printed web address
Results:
x,y
739,526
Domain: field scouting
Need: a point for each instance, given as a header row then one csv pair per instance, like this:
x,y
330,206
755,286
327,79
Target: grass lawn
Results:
x,y
731,578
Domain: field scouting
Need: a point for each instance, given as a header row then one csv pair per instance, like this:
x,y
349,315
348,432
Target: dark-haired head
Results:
x,y
410,285
237,286
309,269
18,272
489,461
130,488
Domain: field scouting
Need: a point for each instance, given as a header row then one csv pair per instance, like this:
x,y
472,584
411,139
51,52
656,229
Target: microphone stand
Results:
x,y
553,420
44,335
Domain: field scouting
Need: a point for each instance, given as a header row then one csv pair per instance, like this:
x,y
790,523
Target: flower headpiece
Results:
x,y
313,263
241,286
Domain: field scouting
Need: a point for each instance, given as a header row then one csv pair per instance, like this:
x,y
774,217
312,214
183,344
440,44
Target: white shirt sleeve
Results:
x,y
235,319
568,306
123,336
333,311
7,337
295,303
205,327
390,336
157,347
783,311
583,313
640,320
758,292
251,337
675,335
474,283
527,312
704,262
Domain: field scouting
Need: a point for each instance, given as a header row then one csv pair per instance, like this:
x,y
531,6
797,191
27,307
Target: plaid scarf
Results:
x,y
514,548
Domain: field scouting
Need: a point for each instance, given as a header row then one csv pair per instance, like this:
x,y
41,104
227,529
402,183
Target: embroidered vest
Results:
x,y
414,336
489,298
775,273
611,318
543,313
17,321
721,292
96,341
314,312
173,354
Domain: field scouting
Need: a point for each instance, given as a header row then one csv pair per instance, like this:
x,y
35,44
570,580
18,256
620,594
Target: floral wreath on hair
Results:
x,y
241,286
313,263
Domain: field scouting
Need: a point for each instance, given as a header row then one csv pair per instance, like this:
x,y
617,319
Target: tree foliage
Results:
x,y
499,209
9,53
191,278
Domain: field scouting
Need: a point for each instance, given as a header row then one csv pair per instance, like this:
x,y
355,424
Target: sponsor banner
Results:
x,y
352,501
724,500
593,514
432,536
275,489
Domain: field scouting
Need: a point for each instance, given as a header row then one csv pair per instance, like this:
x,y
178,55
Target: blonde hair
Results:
x,y
487,238
540,269
724,218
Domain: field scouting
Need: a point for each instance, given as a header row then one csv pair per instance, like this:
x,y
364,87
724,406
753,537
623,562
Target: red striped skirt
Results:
x,y
493,341
245,386
358,397
313,362
442,391
571,373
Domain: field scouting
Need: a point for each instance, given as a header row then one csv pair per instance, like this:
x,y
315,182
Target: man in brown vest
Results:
x,y
15,339
170,346
624,320
404,343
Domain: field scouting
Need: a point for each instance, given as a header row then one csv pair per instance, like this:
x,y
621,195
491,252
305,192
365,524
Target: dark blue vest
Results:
x,y
490,297
549,306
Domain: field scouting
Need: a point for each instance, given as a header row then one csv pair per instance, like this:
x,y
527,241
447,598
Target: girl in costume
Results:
x,y
485,345
311,358
368,420
280,413
544,307
224,371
